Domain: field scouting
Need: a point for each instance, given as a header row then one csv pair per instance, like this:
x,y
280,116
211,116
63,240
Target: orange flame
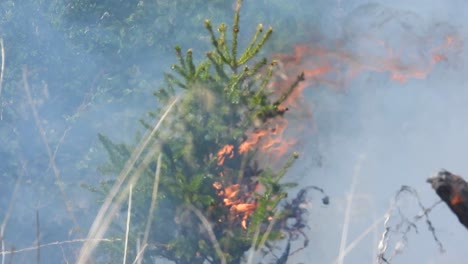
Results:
x,y
246,209
230,193
334,67
226,151
237,202
252,140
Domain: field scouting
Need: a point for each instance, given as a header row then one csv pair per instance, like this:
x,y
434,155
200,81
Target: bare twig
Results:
x,y
101,224
52,164
128,223
81,108
383,243
404,226
64,255
57,243
62,138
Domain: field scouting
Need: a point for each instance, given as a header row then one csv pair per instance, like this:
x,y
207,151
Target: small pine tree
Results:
x,y
213,203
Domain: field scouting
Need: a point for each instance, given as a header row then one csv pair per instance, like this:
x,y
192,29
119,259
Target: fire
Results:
x,y
334,65
226,151
237,201
246,209
276,143
230,193
269,138
337,66
240,198
252,140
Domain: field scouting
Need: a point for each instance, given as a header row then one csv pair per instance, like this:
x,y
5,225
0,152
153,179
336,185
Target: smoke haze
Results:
x,y
385,86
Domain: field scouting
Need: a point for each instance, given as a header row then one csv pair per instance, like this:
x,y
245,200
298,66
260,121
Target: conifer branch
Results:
x,y
235,33
215,43
291,88
254,49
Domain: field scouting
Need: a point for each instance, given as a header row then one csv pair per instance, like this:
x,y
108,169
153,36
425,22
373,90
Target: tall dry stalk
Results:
x,y
2,68
127,230
10,208
139,256
2,71
357,240
154,196
110,207
52,164
57,243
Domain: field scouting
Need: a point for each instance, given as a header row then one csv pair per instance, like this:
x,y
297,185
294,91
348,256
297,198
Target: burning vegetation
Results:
x,y
453,190
224,153
224,150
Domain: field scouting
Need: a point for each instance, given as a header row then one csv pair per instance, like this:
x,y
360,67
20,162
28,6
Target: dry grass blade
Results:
x,y
128,224
153,202
90,245
65,260
356,241
347,219
57,243
2,67
99,227
38,238
139,256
